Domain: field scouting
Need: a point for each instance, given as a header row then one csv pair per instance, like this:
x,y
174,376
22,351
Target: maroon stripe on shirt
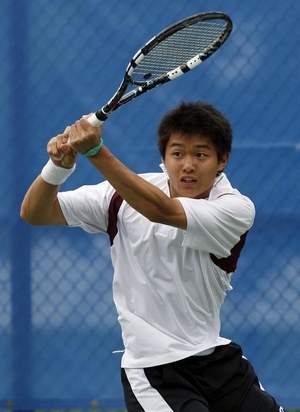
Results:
x,y
113,209
229,263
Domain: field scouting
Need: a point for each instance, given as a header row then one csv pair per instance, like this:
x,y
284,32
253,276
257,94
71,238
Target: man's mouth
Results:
x,y
188,179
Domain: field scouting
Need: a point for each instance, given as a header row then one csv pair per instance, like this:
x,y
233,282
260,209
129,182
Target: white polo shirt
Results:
x,y
169,284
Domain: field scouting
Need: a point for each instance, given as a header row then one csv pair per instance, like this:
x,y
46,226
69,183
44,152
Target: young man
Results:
x,y
175,242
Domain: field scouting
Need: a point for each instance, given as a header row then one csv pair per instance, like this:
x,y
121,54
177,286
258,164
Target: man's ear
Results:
x,y
222,163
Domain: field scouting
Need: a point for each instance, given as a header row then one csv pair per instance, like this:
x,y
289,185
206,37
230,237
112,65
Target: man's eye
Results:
x,y
176,154
201,155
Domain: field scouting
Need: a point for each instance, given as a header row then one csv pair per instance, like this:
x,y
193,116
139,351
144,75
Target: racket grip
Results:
x,y
94,121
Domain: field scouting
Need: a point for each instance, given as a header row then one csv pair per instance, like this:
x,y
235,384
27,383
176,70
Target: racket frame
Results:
x,y
120,98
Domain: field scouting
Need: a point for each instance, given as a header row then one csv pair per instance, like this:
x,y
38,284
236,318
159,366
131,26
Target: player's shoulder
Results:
x,y
102,191
223,187
223,191
101,187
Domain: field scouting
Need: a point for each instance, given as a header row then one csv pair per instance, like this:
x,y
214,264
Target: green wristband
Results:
x,y
94,150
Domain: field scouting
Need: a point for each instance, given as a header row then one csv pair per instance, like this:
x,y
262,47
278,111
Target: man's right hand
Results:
x,y
60,151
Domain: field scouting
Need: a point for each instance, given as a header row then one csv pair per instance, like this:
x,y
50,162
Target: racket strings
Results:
x,y
178,48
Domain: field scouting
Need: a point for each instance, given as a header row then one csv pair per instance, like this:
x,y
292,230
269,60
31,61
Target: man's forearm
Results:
x,y
140,194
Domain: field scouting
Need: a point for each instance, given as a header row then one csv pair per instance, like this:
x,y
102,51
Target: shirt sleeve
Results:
x,y
215,226
87,206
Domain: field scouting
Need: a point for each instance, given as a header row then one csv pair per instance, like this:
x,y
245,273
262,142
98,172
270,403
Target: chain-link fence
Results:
x,y
60,59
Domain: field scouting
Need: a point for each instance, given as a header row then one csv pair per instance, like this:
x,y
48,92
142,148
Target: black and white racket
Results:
x,y
174,51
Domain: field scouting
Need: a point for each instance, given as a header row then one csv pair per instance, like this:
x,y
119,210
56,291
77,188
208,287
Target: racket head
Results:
x,y
172,52
198,35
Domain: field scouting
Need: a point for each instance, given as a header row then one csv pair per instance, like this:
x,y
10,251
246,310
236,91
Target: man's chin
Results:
x,y
191,194
195,194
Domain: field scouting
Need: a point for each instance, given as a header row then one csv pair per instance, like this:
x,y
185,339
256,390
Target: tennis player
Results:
x,y
176,238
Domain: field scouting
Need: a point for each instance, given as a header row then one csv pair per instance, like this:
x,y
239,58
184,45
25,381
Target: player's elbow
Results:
x,y
31,217
26,215
42,214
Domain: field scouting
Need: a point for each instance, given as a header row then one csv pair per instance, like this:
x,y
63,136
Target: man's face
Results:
x,y
192,164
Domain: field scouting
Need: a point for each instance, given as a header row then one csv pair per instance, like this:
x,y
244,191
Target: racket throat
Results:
x,y
101,115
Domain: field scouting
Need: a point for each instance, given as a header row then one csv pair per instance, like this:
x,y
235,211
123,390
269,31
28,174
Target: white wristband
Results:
x,y
56,175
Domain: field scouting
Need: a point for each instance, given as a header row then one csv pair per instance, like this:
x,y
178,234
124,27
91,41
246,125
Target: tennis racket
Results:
x,y
168,55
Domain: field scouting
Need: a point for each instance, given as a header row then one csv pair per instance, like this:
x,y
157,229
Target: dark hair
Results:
x,y
196,118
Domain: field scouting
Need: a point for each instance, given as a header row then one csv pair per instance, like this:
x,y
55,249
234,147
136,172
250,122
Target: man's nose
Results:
x,y
188,164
